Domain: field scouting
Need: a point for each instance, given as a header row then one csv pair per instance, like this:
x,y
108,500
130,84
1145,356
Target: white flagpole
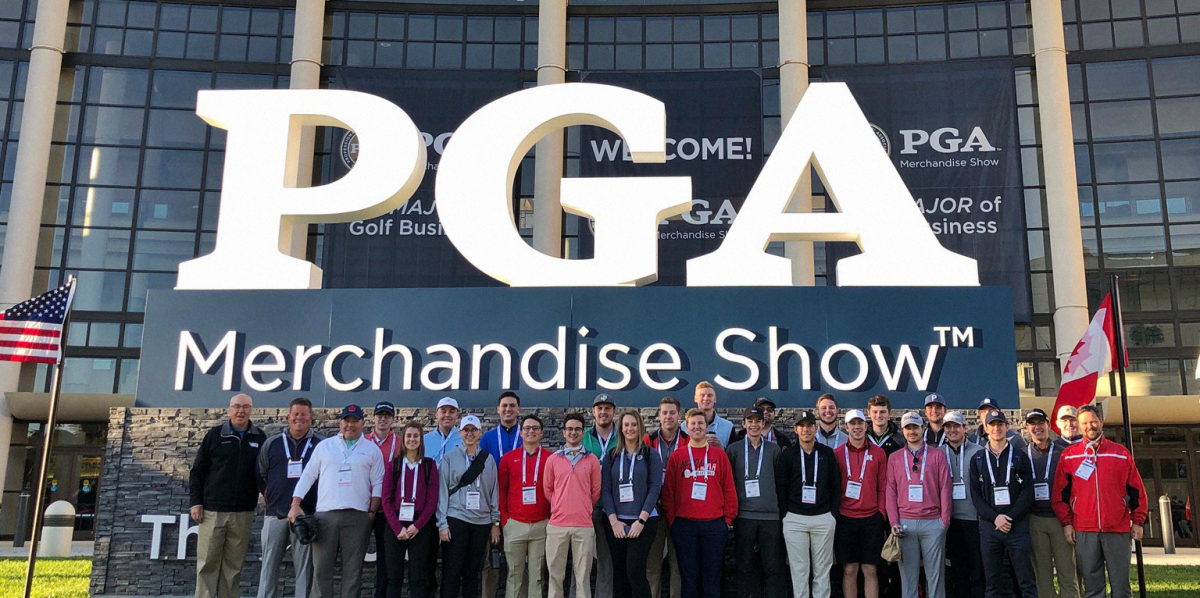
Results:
x,y
47,438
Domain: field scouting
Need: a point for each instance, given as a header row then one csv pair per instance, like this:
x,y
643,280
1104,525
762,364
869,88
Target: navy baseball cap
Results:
x,y
988,403
351,411
935,399
1035,415
996,416
385,407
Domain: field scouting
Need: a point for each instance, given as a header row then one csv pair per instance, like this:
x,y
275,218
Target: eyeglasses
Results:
x,y
241,406
573,429
532,428
470,430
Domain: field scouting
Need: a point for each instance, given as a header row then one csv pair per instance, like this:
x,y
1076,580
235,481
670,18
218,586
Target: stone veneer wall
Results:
x,y
148,455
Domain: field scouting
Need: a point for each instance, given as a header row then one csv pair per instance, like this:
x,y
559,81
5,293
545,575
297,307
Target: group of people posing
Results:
x,y
1009,515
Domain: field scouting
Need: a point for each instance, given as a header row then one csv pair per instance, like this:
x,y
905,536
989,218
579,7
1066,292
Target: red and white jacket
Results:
x,y
1110,499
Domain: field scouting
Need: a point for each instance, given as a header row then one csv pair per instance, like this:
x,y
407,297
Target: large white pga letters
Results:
x,y
477,170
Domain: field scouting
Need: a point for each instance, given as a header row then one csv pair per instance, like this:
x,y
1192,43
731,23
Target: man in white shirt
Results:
x,y
348,472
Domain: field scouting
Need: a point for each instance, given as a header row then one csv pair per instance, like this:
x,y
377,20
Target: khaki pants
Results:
x,y
581,542
524,547
809,542
1050,543
662,542
220,552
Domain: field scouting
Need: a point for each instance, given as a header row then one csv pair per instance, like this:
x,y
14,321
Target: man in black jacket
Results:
x,y
1002,490
808,484
224,494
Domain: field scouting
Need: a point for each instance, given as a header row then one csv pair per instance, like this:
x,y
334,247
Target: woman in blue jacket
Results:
x,y
632,479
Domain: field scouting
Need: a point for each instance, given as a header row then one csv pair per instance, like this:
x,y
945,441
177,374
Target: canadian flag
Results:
x,y
1094,356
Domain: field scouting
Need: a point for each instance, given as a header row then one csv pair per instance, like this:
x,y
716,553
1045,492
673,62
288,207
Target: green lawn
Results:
x,y
68,578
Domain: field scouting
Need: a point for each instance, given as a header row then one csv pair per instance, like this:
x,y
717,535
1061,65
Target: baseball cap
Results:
x,y
384,406
996,416
603,399
752,412
760,401
351,411
470,420
988,403
935,398
806,416
1067,411
912,418
954,417
854,414
447,402
1036,414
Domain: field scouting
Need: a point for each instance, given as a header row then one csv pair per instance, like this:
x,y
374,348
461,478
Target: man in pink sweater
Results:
x,y
919,505
572,486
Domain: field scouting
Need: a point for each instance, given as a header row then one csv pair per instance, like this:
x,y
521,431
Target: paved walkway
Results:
x,y
77,549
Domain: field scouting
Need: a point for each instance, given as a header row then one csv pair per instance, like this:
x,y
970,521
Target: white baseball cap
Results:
x,y
447,402
854,414
911,419
955,417
470,420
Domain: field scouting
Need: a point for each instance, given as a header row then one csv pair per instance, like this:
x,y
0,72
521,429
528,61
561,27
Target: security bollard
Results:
x,y
58,526
1168,528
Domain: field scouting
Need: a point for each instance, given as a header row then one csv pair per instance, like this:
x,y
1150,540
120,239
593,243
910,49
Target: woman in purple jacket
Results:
x,y
410,496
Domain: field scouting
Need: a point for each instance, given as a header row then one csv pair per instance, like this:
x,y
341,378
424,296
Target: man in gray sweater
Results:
x,y
468,512
758,524
964,577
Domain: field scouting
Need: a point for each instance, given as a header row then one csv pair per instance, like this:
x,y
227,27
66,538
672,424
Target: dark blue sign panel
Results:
x,y
950,129
714,136
559,347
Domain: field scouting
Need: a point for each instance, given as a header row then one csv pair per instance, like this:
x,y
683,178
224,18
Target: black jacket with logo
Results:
x,y
223,477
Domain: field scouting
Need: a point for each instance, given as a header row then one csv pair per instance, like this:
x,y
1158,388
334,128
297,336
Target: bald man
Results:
x,y
223,488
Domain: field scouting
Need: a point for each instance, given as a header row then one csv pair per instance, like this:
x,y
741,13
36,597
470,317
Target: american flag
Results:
x,y
32,330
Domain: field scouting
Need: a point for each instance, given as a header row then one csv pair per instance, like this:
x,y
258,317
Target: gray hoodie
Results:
x,y
452,468
963,507
766,504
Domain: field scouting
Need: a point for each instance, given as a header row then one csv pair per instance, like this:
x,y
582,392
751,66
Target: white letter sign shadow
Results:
x,y
876,209
258,209
475,180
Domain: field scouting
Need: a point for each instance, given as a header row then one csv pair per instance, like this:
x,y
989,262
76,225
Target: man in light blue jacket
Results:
x,y
706,401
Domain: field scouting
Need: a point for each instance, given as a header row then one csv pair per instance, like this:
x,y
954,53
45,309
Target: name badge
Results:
x,y
295,468
528,495
1001,496
1085,471
345,476
626,492
408,511
473,501
752,489
699,490
808,495
1041,491
853,490
960,491
916,493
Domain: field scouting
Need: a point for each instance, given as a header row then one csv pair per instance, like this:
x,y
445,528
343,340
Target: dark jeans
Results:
x,y
757,540
381,530
1017,544
418,549
629,557
701,546
964,576
462,558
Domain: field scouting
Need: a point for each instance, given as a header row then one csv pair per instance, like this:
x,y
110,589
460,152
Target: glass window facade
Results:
x,y
137,175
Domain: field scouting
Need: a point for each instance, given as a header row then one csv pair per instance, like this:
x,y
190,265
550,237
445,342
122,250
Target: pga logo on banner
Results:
x,y
259,212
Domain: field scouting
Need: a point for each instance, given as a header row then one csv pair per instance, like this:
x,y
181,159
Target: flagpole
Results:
x,y
47,443
1119,344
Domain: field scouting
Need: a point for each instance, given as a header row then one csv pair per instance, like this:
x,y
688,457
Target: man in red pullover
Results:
x,y
861,527
701,504
1099,497
572,486
524,510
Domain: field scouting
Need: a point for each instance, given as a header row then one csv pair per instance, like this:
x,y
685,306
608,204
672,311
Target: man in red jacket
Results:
x,y
1099,498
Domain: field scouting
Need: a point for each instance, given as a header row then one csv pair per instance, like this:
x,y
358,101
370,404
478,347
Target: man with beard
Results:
x,y
828,431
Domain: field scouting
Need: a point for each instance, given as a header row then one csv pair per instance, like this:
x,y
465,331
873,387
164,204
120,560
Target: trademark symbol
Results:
x,y
958,336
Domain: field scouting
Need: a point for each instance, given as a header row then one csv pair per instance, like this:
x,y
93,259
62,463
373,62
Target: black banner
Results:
x,y
714,136
950,129
407,247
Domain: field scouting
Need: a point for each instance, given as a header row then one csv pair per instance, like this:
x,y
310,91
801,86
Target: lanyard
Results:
x,y
762,448
833,440
908,470
537,466
348,451
391,449
670,446
804,468
500,440
882,439
1007,473
621,473
862,470
403,469
693,459
287,449
442,451
1049,459
962,455
604,441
